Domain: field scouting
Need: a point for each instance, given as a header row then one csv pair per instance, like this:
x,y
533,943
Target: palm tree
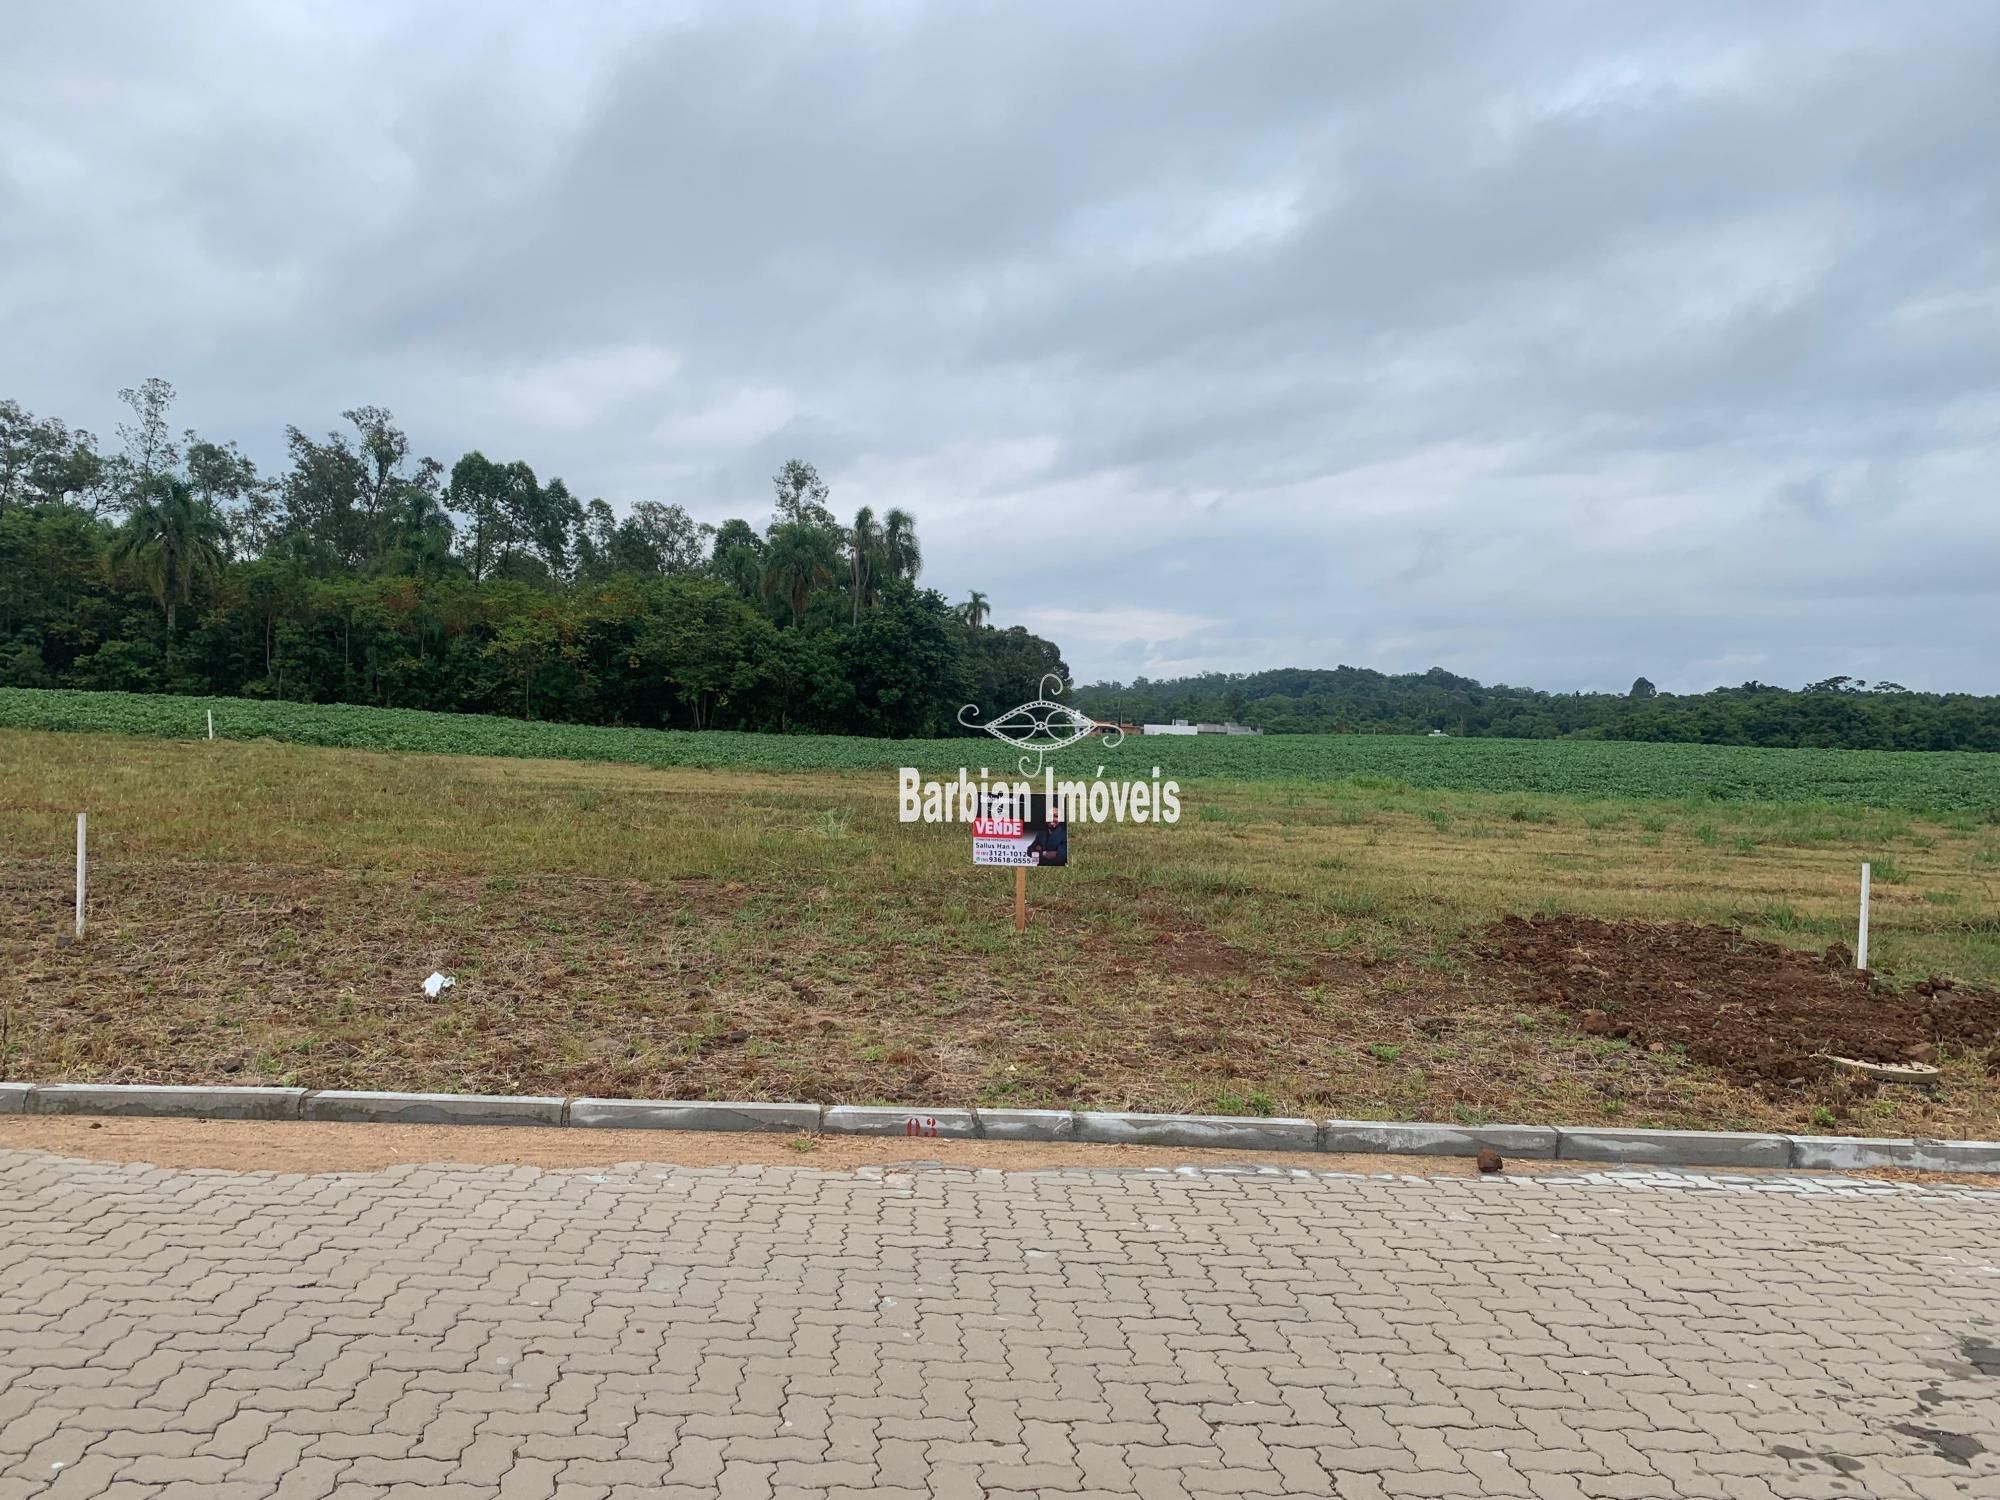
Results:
x,y
975,611
798,558
175,539
900,551
864,546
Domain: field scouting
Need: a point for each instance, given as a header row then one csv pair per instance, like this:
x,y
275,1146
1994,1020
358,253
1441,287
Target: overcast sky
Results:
x,y
1551,344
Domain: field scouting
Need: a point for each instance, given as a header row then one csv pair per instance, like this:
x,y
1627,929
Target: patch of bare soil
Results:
x,y
1762,1013
1189,949
270,974
258,974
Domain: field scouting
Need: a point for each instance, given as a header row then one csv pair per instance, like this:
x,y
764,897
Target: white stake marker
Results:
x,y
79,873
1861,942
211,723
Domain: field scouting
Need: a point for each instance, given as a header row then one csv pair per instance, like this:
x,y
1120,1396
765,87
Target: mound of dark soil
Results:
x,y
1756,1010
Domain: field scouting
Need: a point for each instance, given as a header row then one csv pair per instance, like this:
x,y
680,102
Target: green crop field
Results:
x,y
1948,783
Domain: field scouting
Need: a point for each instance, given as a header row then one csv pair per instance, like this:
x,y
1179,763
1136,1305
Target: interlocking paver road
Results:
x,y
767,1331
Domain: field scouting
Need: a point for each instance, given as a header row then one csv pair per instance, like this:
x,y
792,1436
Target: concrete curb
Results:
x,y
641,1114
166,1100
367,1106
1538,1142
1840,1153
891,1119
1027,1124
1697,1148
1238,1132
1675,1148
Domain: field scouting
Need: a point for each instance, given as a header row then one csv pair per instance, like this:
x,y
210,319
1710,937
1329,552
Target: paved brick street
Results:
x,y
521,1332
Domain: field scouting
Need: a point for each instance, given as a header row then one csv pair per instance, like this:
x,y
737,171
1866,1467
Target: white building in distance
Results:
x,y
1181,726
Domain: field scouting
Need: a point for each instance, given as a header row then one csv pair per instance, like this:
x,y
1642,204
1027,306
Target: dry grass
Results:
x,y
264,912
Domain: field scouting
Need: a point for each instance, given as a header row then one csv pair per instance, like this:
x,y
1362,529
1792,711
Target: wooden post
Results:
x,y
1020,898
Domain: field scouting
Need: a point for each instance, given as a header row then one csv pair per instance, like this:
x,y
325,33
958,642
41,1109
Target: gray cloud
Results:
x,y
1553,344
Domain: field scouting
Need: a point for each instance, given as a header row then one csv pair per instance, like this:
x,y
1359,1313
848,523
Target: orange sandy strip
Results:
x,y
312,1147
318,1146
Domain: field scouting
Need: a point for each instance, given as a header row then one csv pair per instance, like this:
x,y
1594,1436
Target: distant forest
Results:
x,y
1841,713
362,573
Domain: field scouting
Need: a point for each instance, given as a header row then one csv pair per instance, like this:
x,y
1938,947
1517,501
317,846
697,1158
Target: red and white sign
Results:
x,y
1040,838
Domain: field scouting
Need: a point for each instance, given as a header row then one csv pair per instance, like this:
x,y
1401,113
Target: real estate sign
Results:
x,y
1031,834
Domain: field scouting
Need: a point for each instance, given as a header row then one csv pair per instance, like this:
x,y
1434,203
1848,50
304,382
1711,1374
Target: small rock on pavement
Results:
x,y
1488,1160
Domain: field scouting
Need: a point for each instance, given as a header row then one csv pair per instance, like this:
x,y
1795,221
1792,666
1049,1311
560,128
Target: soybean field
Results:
x,y
1962,784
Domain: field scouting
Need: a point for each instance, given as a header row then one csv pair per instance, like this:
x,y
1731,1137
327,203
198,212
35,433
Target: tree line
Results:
x,y
1838,713
364,574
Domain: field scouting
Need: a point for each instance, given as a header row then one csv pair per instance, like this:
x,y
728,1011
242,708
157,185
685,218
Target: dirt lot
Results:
x,y
694,989
1761,1013
251,974
266,914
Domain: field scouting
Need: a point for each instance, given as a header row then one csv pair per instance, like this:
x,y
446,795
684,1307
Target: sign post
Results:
x,y
1020,898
